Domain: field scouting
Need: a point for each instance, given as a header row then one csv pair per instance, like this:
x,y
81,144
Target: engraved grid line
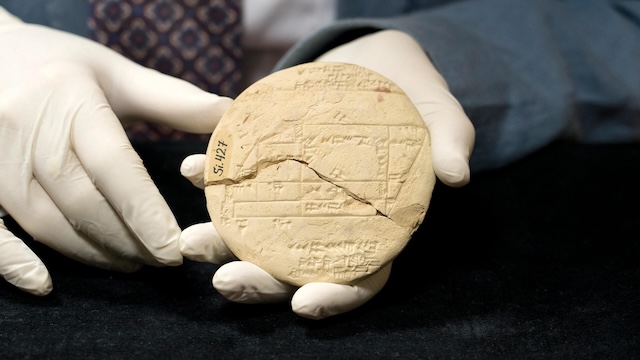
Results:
x,y
301,180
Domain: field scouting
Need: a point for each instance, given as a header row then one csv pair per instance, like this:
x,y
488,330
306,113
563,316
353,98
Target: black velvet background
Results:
x,y
537,260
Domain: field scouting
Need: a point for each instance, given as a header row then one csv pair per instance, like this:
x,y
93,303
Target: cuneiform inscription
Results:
x,y
342,259
335,78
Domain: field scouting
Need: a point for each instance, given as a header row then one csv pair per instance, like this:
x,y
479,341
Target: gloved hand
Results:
x,y
70,177
398,57
244,282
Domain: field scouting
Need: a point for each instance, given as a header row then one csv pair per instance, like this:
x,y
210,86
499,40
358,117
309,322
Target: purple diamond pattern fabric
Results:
x,y
195,40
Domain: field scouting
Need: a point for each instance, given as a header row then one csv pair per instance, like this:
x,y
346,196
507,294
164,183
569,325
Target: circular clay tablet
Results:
x,y
319,172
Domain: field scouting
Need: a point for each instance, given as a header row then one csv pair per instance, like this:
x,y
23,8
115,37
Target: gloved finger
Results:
x,y
320,300
201,242
452,133
246,283
59,172
39,217
192,168
139,93
452,138
117,171
20,266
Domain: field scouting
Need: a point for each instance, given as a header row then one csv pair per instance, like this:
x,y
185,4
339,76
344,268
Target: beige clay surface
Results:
x,y
319,172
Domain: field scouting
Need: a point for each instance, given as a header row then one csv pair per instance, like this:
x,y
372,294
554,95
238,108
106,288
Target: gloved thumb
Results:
x,y
20,266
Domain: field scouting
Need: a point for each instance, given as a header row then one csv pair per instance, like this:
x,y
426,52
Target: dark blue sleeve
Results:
x,y
67,15
526,72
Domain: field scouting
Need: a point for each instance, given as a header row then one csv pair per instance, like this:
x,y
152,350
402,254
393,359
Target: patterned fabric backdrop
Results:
x,y
196,40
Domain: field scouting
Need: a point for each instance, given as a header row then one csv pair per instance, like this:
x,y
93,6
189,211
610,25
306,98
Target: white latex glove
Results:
x,y
398,57
70,177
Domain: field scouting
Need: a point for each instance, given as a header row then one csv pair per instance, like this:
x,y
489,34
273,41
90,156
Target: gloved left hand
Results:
x,y
70,177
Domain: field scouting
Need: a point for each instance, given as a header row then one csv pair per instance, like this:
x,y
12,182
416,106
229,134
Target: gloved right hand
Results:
x,y
70,176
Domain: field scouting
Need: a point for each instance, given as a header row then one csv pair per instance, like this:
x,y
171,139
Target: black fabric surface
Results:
x,y
537,260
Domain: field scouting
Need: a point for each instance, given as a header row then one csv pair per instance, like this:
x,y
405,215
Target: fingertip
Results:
x,y
450,158
243,282
310,302
192,168
453,172
31,277
226,281
201,242
452,142
37,281
223,282
44,289
188,238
